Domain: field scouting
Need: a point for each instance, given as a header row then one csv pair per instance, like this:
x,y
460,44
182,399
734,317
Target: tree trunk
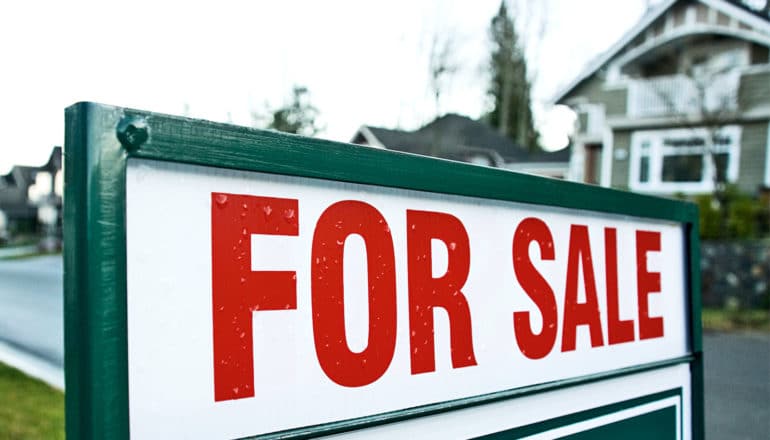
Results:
x,y
505,102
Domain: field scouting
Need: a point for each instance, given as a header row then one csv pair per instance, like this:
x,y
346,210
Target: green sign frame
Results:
x,y
98,143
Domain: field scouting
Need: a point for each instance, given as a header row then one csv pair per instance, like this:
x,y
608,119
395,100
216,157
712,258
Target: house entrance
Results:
x,y
593,163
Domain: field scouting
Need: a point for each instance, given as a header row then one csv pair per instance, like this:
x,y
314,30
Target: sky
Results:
x,y
363,62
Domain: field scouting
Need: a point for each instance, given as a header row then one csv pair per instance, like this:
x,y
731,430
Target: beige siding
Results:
x,y
701,13
755,90
722,19
753,156
679,13
614,100
620,170
587,89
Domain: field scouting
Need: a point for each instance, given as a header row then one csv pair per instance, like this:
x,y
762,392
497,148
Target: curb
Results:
x,y
17,251
32,366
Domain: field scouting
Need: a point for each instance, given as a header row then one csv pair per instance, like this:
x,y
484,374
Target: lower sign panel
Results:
x,y
279,303
652,405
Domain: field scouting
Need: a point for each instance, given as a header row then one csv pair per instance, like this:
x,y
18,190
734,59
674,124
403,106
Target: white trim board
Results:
x,y
607,155
767,157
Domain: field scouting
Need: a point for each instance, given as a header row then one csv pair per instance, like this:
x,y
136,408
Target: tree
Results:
x,y
509,88
704,96
443,66
296,117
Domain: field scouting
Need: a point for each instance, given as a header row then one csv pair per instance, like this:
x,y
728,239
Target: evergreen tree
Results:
x,y
296,117
509,88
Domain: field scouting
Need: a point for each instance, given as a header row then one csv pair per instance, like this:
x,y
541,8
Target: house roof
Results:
x,y
732,8
457,137
23,176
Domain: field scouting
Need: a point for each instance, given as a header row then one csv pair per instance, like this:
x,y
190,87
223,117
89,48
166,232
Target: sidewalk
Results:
x,y
17,251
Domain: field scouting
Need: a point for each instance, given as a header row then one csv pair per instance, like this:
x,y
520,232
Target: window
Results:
x,y
668,161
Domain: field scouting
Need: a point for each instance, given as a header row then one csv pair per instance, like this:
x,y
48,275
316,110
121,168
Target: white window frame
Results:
x,y
656,151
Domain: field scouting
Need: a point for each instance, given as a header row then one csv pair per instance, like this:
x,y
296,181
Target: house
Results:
x,y
690,79
460,138
20,212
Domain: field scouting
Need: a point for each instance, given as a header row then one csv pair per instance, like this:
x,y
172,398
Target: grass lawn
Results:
x,y
29,409
729,320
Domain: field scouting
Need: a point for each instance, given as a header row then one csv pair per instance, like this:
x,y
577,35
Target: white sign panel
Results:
x,y
260,303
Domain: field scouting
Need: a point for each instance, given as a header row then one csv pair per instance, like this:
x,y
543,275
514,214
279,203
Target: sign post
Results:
x,y
225,282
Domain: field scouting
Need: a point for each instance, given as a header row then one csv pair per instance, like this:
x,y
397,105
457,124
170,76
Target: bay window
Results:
x,y
677,160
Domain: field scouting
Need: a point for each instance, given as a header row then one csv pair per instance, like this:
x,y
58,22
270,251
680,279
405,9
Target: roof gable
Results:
x,y
749,20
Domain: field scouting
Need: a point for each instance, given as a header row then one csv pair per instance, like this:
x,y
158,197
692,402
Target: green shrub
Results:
x,y
709,217
732,215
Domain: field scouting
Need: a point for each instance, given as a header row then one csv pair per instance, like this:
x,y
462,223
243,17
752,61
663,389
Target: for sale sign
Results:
x,y
272,285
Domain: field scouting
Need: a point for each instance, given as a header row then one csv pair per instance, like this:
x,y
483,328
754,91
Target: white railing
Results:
x,y
683,95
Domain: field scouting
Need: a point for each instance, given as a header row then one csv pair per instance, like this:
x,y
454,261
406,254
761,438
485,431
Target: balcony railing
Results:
x,y
683,95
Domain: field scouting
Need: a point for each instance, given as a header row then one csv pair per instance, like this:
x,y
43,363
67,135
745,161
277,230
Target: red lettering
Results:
x,y
534,345
426,292
340,364
576,313
237,291
618,330
647,283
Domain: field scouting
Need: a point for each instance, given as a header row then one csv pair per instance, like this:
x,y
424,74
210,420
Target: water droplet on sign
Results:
x,y
221,200
267,210
452,246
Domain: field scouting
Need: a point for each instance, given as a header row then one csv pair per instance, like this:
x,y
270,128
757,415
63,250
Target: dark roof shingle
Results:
x,y
458,137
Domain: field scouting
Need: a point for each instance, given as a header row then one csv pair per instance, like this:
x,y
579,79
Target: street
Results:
x,y
737,366
737,370
31,313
